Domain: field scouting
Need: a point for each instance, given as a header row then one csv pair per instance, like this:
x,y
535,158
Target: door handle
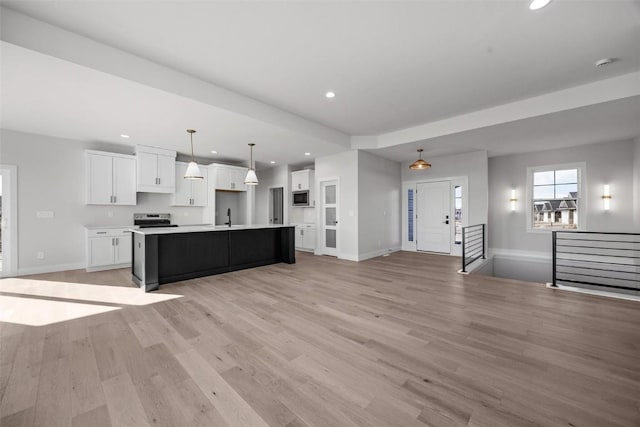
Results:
x,y
445,222
335,222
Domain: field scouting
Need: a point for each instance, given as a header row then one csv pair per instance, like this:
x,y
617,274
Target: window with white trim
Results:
x,y
555,198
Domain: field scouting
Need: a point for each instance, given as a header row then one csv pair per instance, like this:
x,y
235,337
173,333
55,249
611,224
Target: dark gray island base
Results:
x,y
164,255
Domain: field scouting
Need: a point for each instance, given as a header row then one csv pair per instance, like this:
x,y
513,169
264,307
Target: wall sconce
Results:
x,y
606,196
513,200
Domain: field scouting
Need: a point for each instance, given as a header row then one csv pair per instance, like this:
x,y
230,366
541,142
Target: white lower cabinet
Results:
x,y
108,248
305,237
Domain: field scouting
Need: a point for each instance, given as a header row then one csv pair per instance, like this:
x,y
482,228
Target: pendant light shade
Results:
x,y
251,178
419,164
193,171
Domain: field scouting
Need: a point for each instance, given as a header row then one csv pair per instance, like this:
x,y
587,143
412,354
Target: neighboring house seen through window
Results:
x,y
555,198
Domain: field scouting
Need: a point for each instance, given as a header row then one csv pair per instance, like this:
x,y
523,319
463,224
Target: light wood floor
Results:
x,y
394,341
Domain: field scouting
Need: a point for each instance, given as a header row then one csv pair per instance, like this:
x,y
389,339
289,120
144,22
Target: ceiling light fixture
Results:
x,y
251,178
124,136
538,4
330,94
214,152
419,164
272,162
193,171
307,154
604,61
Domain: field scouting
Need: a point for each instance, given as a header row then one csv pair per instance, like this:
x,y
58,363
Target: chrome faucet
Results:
x,y
229,216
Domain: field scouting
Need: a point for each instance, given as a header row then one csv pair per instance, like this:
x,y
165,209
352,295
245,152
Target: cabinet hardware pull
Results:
x,y
115,199
112,242
117,241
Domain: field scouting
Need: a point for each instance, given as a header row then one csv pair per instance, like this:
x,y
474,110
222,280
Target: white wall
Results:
x,y
606,163
51,177
343,166
379,202
636,183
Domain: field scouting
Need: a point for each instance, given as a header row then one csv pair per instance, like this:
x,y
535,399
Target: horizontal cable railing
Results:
x,y
590,258
472,244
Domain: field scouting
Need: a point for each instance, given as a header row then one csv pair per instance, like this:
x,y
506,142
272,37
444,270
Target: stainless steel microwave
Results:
x,y
301,198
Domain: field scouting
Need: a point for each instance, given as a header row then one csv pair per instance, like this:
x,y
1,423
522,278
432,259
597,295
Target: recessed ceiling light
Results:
x,y
604,61
330,94
538,4
124,136
307,154
214,152
272,162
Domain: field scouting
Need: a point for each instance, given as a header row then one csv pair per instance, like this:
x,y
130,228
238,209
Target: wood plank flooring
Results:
x,y
395,341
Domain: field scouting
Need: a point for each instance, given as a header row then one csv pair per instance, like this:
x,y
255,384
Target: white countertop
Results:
x,y
109,227
202,228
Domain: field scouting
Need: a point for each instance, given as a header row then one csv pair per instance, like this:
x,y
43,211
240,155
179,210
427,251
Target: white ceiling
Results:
x,y
610,121
45,95
392,64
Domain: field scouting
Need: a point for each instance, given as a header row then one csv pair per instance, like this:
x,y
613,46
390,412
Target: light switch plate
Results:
x,y
44,214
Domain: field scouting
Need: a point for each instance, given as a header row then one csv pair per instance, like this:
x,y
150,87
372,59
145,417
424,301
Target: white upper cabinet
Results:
x,y
190,192
302,180
156,169
229,178
111,178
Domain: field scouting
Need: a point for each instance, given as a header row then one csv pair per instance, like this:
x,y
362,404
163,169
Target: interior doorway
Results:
x,y
276,205
329,192
433,217
8,221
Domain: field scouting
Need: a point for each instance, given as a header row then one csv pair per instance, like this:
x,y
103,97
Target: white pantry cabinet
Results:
x,y
302,180
190,192
229,178
111,178
156,170
108,248
305,238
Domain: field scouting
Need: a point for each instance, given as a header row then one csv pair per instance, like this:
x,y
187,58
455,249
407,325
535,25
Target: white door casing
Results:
x,y
9,221
433,217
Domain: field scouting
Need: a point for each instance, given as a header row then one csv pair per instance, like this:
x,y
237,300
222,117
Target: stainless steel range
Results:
x,y
146,220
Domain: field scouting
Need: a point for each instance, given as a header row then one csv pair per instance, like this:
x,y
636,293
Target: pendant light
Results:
x,y
193,171
251,178
419,164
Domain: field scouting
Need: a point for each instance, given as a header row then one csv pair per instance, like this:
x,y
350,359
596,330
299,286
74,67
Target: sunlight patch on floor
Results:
x,y
38,312
82,292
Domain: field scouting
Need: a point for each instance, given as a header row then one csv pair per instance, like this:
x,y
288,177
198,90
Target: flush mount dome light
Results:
x,y
330,94
419,164
604,61
538,4
124,136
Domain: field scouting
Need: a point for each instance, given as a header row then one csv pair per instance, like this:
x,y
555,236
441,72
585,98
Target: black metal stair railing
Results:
x,y
473,247
610,260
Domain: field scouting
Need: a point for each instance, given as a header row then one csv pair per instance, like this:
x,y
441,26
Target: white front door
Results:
x,y
433,216
329,226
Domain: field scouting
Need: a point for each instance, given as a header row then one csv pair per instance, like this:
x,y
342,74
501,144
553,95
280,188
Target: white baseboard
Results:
x,y
380,252
531,256
108,267
50,268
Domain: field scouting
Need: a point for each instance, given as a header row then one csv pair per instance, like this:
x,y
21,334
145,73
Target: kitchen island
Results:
x,y
170,254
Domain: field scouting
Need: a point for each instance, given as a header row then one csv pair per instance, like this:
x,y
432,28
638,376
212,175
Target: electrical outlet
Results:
x,y
40,255
110,214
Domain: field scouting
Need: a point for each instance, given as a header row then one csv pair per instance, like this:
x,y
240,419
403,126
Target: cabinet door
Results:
x,y
296,182
123,250
147,169
199,188
182,196
167,173
223,178
124,181
99,179
239,175
299,237
309,238
101,251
